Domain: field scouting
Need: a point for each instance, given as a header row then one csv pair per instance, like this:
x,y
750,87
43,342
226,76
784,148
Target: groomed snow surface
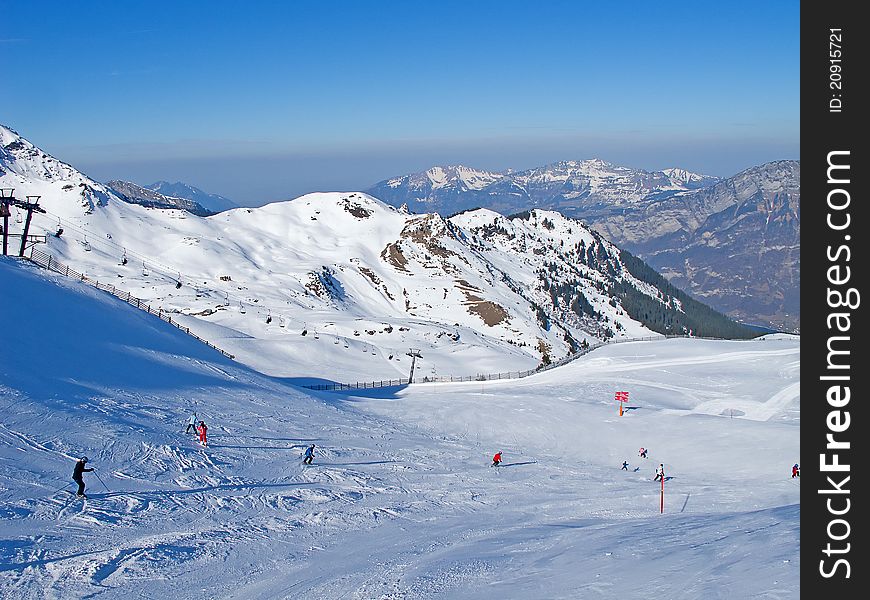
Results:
x,y
401,501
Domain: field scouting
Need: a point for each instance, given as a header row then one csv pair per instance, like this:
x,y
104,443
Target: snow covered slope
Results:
x,y
400,501
310,281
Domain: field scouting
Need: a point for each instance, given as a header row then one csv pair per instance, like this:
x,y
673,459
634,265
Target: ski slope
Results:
x,y
400,502
312,281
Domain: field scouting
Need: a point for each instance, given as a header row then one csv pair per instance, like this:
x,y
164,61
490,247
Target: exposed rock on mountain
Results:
x,y
734,244
477,289
210,202
136,194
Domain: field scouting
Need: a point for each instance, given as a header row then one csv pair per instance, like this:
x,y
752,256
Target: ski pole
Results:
x,y
101,481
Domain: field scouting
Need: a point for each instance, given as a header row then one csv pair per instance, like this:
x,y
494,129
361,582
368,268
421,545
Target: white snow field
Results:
x,y
334,277
401,501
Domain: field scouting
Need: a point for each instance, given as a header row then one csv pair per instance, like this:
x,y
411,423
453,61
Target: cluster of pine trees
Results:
x,y
661,315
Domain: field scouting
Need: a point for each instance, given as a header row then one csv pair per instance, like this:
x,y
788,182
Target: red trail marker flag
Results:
x,y
621,397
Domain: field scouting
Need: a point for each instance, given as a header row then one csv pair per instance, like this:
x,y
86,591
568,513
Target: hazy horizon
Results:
x,y
269,101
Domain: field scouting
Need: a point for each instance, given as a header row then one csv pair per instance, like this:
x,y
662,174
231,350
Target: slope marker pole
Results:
x,y
663,494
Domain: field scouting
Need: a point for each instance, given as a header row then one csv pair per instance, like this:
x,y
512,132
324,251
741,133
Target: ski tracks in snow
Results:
x,y
202,512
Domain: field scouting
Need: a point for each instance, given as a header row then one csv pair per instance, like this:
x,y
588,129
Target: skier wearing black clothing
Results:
x,y
309,455
77,475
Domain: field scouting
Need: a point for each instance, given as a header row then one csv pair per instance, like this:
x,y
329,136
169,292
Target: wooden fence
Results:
x,y
49,262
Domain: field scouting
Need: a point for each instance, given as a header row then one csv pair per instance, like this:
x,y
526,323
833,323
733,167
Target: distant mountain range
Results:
x,y
211,202
573,188
136,194
172,195
734,243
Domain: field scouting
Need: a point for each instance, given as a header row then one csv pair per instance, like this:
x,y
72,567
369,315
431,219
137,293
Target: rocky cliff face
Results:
x,y
734,245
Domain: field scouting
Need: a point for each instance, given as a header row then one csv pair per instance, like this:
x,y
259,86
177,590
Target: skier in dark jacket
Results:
x,y
77,475
309,455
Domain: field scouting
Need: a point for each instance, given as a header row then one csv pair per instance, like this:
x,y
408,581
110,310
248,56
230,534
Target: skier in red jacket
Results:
x,y
496,459
202,429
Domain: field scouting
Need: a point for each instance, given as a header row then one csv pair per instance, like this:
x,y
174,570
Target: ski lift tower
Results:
x,y
414,354
7,196
31,205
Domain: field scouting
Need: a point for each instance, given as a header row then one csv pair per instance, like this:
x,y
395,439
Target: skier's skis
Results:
x,y
69,502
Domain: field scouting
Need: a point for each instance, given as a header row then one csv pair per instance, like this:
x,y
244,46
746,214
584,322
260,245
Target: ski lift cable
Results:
x,y
154,265
161,269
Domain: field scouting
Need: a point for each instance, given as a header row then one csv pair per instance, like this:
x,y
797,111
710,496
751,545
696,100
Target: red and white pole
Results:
x,y
663,493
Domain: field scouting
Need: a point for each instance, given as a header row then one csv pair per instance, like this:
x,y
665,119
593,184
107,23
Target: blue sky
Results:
x,y
261,101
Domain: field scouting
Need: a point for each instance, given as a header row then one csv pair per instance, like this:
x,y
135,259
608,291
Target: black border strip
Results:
x,y
833,106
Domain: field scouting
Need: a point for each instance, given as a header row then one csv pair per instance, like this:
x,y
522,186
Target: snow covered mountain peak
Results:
x,y
461,175
449,177
20,157
568,185
588,165
32,172
511,291
7,135
685,176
